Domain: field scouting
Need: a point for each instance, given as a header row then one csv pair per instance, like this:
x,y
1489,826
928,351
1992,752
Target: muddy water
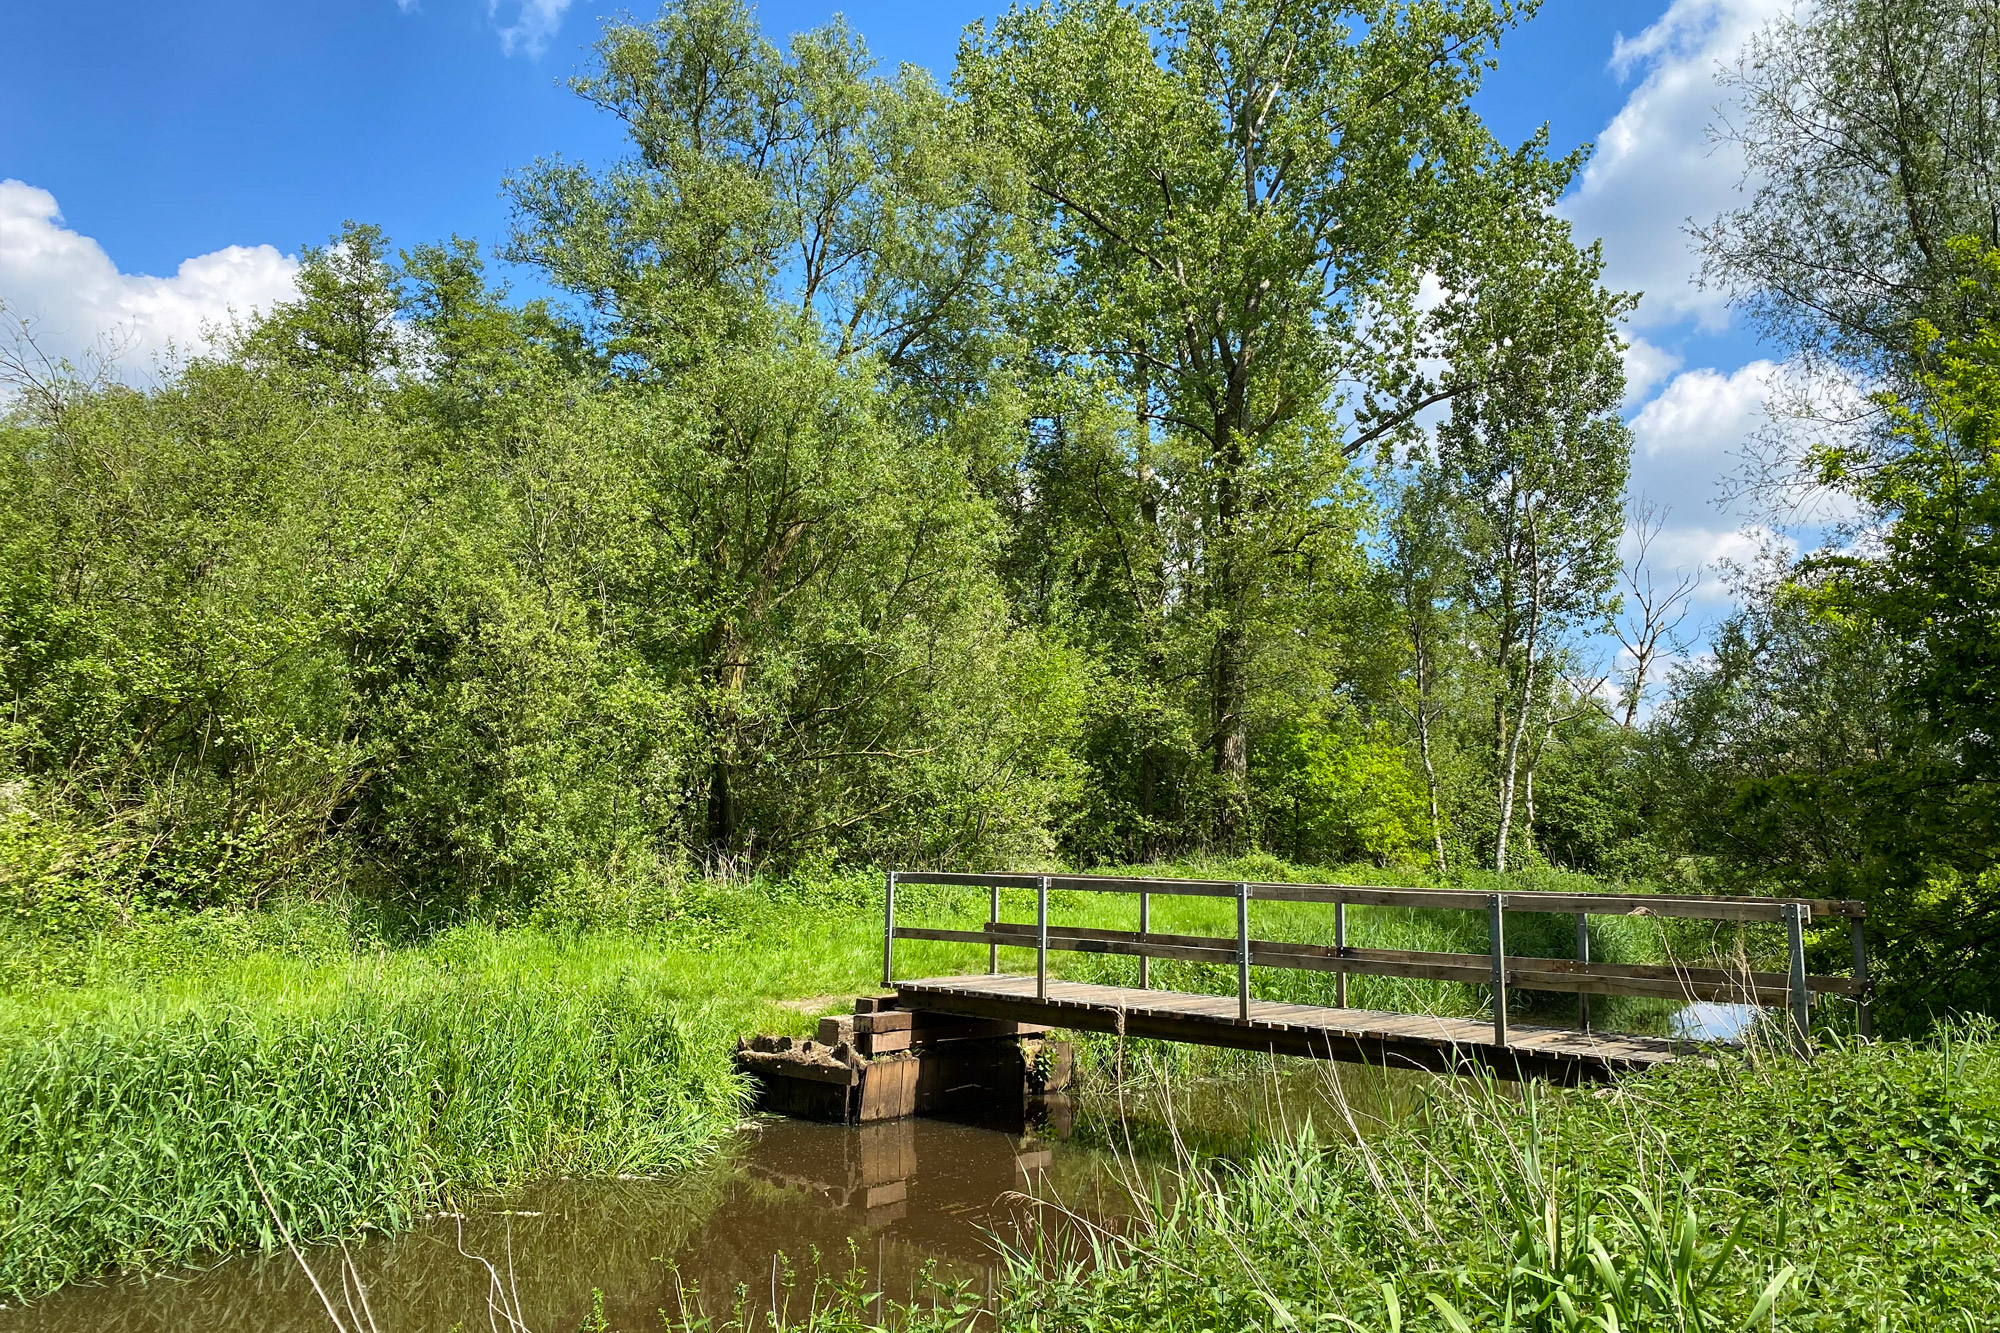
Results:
x,y
907,1208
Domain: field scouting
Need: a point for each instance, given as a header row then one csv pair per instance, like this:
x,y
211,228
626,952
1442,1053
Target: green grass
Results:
x,y
1859,1192
138,1128
145,1070
365,1087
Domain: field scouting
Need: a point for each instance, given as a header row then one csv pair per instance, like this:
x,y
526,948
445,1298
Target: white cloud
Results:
x,y
1645,367
1655,167
534,24
78,300
1684,442
1698,546
1703,414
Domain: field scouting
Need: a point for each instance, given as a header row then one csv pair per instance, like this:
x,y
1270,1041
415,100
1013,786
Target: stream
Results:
x,y
904,1208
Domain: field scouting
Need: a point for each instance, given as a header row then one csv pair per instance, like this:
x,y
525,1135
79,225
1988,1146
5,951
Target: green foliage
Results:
x,y
1868,131
969,478
1853,1192
737,556
1841,739
1228,215
1841,742
1345,795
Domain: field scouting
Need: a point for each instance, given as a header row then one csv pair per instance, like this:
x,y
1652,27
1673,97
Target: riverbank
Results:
x,y
171,1085
1861,1191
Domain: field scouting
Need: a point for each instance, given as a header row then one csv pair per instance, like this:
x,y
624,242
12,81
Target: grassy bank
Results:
x,y
1858,1192
153,1074
185,1062
143,1131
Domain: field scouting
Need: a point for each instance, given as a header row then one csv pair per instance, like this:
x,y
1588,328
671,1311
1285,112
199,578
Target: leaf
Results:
x,y
1449,1313
1772,1290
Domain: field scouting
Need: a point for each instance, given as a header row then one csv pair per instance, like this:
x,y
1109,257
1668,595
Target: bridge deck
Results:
x,y
1367,1035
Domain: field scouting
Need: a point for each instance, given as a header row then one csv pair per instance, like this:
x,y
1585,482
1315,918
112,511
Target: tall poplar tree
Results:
x,y
1235,203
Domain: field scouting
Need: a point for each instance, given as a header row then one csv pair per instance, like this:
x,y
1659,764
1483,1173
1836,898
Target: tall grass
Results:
x,y
130,1125
1858,1192
145,1070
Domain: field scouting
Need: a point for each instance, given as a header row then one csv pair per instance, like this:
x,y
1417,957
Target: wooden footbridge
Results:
x,y
1338,1032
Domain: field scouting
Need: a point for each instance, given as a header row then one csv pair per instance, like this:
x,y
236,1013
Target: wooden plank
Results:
x,y
1421,1042
786,1065
1549,974
942,1034
948,936
1077,939
1072,992
888,1090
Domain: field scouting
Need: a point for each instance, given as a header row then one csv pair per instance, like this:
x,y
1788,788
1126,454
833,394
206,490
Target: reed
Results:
x,y
1755,1192
134,1126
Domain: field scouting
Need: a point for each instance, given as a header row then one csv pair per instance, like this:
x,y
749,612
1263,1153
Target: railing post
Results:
x,y
1863,1006
1583,956
888,929
1795,942
1243,951
1496,943
1042,938
993,949
1340,949
1145,924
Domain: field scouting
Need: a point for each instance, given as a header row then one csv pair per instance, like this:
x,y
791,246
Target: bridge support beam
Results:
x,y
1243,951
1496,944
1800,998
887,1063
1583,956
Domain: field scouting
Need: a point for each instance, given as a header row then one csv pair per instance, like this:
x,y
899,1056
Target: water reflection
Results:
x,y
906,1206
1702,1021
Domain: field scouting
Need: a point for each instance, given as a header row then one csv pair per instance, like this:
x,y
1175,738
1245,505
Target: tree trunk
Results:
x,y
1523,714
1424,750
1147,599
1230,737
728,675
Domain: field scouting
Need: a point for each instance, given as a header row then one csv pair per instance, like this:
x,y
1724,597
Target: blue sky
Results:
x,y
164,163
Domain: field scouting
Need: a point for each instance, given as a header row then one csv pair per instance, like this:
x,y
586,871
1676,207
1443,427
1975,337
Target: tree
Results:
x,y
1841,724
1871,137
1425,573
1653,612
342,329
1234,204
1872,129
765,183
1534,458
788,282
1931,590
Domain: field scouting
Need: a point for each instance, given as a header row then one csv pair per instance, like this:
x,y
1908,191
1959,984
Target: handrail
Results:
x,y
1769,910
1496,968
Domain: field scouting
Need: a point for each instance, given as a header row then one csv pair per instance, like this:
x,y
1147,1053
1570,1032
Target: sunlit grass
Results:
x,y
368,1081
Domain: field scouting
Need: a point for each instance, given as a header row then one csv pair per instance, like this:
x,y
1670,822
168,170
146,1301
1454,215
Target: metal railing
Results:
x,y
1791,990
